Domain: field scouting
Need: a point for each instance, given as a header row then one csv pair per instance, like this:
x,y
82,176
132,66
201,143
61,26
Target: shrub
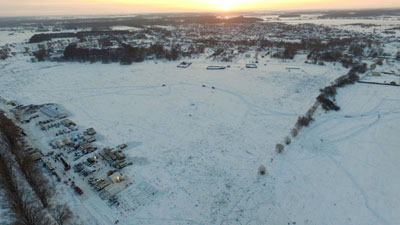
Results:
x,y
40,54
351,78
279,148
288,140
329,91
327,104
262,170
304,121
4,53
359,68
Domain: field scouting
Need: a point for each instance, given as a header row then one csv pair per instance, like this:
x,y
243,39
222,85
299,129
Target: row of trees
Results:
x,y
27,194
37,38
326,100
125,55
328,93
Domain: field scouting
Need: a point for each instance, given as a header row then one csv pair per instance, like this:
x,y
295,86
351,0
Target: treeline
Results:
x,y
37,38
27,194
126,54
16,199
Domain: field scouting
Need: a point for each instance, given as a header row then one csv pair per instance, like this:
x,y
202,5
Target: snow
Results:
x,y
10,37
197,138
126,28
343,166
203,145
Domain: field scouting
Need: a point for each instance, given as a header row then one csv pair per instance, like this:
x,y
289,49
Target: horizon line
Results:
x,y
201,12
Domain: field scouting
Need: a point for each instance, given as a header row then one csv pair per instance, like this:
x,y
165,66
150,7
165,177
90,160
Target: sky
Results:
x,y
95,7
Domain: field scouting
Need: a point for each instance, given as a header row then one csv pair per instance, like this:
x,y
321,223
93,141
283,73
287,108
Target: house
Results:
x,y
116,177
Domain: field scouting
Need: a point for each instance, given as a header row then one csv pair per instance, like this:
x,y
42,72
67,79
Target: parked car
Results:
x,y
78,190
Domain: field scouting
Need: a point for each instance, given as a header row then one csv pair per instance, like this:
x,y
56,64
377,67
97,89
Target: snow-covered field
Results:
x,y
203,145
343,169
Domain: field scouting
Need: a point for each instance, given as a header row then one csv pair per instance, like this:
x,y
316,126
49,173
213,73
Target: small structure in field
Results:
x,y
216,67
184,65
251,66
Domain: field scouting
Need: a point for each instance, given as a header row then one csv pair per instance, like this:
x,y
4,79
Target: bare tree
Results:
x,y
61,213
18,201
36,180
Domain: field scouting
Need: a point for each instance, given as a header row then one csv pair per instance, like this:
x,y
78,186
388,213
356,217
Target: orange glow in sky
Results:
x,y
74,7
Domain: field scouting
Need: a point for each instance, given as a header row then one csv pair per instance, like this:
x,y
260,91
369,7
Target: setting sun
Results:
x,y
224,6
228,5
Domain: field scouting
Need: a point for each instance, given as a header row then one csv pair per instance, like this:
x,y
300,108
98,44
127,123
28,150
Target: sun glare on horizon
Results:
x,y
229,5
224,6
